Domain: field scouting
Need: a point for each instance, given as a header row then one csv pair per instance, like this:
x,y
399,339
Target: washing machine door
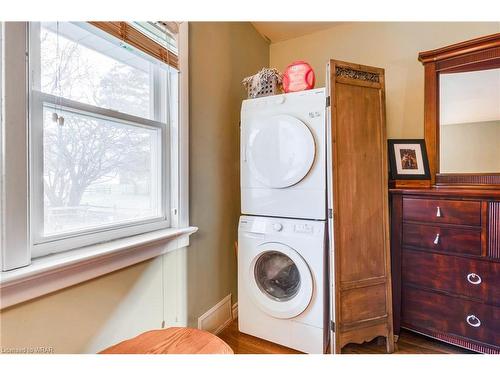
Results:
x,y
280,150
280,281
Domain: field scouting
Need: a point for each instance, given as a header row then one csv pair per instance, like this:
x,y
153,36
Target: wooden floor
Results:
x,y
408,343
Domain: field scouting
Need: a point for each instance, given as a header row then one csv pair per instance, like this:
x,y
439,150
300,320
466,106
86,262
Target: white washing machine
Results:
x,y
283,148
281,281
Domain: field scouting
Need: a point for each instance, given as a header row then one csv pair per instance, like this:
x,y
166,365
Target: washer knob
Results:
x,y
277,227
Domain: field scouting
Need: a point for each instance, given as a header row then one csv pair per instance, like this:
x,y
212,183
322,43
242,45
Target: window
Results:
x,y
161,34
101,116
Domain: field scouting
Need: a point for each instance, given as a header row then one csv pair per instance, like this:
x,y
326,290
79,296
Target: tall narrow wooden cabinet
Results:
x,y
361,305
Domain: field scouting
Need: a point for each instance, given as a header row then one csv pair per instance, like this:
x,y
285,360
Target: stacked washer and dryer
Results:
x,y
282,259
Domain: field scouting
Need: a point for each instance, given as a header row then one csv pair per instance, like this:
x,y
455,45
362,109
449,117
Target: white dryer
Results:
x,y
281,281
283,142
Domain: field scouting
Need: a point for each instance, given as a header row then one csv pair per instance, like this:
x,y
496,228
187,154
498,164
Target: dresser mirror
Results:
x,y
469,122
462,113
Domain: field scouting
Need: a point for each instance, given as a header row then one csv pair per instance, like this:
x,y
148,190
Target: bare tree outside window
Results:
x,y
96,171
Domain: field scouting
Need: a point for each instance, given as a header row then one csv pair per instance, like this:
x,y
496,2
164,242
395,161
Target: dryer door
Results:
x,y
280,281
280,151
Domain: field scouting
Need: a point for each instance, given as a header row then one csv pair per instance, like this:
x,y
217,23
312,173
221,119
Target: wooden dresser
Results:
x,y
445,247
445,231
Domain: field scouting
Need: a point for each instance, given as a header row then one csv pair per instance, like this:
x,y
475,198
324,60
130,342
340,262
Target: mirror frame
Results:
x,y
472,55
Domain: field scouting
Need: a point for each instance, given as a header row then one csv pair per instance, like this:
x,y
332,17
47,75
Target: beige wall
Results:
x,y
392,46
95,314
221,54
470,148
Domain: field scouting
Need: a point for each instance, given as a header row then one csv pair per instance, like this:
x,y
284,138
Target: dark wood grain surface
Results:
x,y
434,295
440,313
451,274
442,238
458,49
442,211
442,192
396,201
408,343
363,296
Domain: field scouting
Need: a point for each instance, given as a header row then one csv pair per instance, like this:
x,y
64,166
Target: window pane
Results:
x,y
98,172
79,65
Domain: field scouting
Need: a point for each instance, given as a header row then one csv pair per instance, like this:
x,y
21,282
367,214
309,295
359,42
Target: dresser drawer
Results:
x,y
466,277
446,239
443,314
442,211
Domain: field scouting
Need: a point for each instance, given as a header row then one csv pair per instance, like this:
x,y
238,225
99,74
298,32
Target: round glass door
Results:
x,y
280,281
280,151
277,276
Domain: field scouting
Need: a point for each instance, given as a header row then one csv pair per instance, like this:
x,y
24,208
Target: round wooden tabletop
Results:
x,y
174,340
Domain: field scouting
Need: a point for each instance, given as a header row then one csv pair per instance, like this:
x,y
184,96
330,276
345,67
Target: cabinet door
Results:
x,y
358,177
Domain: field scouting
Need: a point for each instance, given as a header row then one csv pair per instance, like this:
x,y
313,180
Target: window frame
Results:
x,y
44,245
22,278
15,251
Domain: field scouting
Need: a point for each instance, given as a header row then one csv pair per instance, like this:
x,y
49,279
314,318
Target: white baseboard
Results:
x,y
218,317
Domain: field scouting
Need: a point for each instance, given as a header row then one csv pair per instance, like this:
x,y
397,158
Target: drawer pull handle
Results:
x,y
474,278
438,212
436,240
473,321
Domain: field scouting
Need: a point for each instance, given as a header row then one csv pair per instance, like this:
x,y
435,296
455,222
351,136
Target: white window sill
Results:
x,y
53,272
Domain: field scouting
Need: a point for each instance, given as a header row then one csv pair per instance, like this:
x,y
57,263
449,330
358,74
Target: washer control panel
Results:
x,y
263,225
303,228
278,227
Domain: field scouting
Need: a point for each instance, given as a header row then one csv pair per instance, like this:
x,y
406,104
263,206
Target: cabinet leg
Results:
x,y
389,341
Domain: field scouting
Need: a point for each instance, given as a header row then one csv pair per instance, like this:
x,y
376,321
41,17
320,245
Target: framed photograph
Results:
x,y
408,159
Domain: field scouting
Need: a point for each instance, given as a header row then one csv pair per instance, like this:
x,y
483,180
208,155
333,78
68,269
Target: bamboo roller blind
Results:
x,y
130,35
